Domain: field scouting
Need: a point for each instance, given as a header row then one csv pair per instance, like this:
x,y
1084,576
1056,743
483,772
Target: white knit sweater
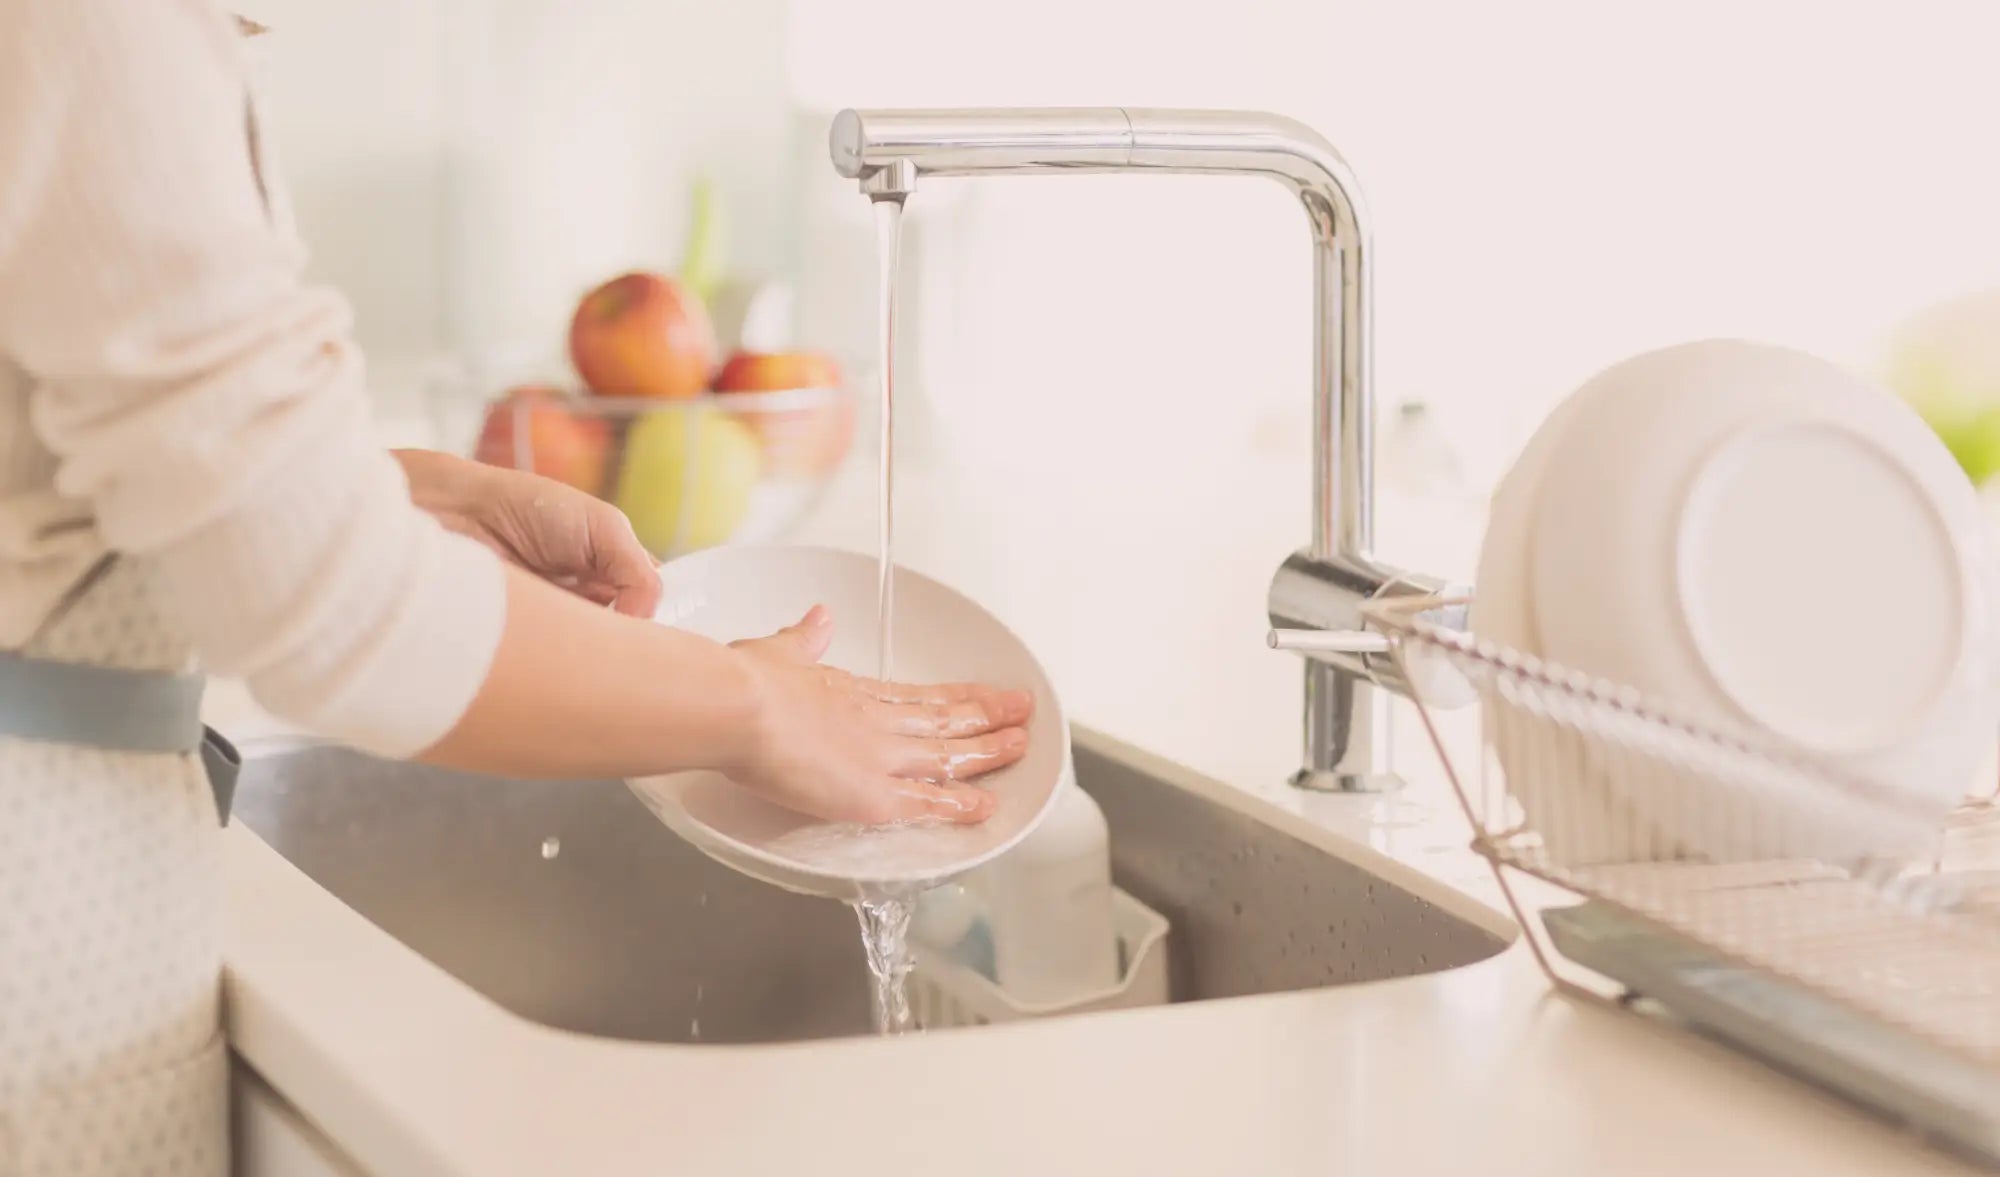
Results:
x,y
171,389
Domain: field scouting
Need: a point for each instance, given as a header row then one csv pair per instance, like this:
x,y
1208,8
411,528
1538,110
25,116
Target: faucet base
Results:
x,y
1349,723
1320,781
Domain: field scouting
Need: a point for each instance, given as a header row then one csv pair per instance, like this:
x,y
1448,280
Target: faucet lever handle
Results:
x,y
1440,684
1328,641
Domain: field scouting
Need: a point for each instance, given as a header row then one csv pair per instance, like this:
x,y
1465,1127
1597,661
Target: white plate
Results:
x,y
1767,540
1579,818
1502,606
729,593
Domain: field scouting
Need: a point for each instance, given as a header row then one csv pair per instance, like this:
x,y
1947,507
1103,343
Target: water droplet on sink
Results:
x,y
697,993
694,1029
1236,908
551,846
702,899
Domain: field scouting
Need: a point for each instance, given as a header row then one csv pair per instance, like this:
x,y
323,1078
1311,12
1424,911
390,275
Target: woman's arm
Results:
x,y
555,531
578,690
200,396
602,695
208,404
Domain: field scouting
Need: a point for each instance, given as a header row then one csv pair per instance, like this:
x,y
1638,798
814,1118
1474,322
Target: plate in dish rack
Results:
x,y
1770,542
730,593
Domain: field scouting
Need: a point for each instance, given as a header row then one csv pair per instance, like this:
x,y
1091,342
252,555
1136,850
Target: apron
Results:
x,y
112,1059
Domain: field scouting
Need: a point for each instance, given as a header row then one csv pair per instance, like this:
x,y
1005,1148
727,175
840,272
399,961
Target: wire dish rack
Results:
x,y
1574,776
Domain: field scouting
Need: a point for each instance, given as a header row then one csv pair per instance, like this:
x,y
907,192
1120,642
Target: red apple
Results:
x,y
642,335
751,371
568,446
801,443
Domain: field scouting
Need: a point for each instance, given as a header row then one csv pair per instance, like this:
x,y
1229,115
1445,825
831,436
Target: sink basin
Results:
x,y
570,905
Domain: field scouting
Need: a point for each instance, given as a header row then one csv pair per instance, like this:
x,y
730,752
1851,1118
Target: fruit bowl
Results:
x,y
690,473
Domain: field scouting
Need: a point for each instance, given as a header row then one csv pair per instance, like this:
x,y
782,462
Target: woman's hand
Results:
x,y
576,692
584,694
559,533
843,748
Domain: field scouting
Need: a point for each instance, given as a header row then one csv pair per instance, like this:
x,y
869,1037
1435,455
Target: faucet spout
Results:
x,y
887,151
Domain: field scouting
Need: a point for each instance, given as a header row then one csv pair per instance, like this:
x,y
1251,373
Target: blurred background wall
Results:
x,y
1556,183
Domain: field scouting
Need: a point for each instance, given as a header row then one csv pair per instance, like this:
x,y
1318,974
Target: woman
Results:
x,y
186,473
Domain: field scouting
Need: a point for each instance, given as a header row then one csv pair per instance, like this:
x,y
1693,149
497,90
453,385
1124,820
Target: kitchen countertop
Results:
x,y
1480,1068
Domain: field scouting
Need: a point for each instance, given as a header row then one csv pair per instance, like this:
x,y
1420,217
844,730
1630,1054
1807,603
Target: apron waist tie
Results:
x,y
115,709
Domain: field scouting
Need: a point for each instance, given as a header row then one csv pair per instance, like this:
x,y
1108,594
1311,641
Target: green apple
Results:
x,y
1946,363
687,478
1974,440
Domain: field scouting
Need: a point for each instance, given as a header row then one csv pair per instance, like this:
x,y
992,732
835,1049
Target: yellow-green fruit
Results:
x,y
1945,362
687,478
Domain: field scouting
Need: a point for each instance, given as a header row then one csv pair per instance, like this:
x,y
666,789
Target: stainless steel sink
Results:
x,y
569,904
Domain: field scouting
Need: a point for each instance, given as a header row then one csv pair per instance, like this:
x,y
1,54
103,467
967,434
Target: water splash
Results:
x,y
885,941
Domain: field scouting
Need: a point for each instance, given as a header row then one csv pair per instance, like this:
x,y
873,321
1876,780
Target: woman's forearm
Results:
x,y
576,690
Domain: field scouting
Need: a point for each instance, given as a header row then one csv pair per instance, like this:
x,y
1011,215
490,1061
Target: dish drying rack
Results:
x,y
1915,945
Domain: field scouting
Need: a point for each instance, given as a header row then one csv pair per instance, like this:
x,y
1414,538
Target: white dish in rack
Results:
x,y
730,593
1579,818
1765,540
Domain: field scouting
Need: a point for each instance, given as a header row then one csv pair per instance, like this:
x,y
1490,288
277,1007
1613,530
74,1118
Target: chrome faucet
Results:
x,y
1316,597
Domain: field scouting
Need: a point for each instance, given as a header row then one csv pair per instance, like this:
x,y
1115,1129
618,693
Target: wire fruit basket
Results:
x,y
722,467
1574,775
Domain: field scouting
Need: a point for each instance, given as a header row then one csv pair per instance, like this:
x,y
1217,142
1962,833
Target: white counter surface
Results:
x,y
1149,620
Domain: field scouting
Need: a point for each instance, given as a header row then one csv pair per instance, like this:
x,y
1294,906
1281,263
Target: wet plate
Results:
x,y
940,635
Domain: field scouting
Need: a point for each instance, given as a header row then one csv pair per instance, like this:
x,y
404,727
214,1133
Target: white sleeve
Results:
x,y
201,397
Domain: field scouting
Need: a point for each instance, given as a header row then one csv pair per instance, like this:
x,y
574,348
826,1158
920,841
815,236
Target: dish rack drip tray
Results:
x,y
1877,978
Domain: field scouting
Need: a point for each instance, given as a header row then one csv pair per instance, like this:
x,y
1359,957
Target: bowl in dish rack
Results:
x,y
1764,541
1568,799
727,467
940,636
